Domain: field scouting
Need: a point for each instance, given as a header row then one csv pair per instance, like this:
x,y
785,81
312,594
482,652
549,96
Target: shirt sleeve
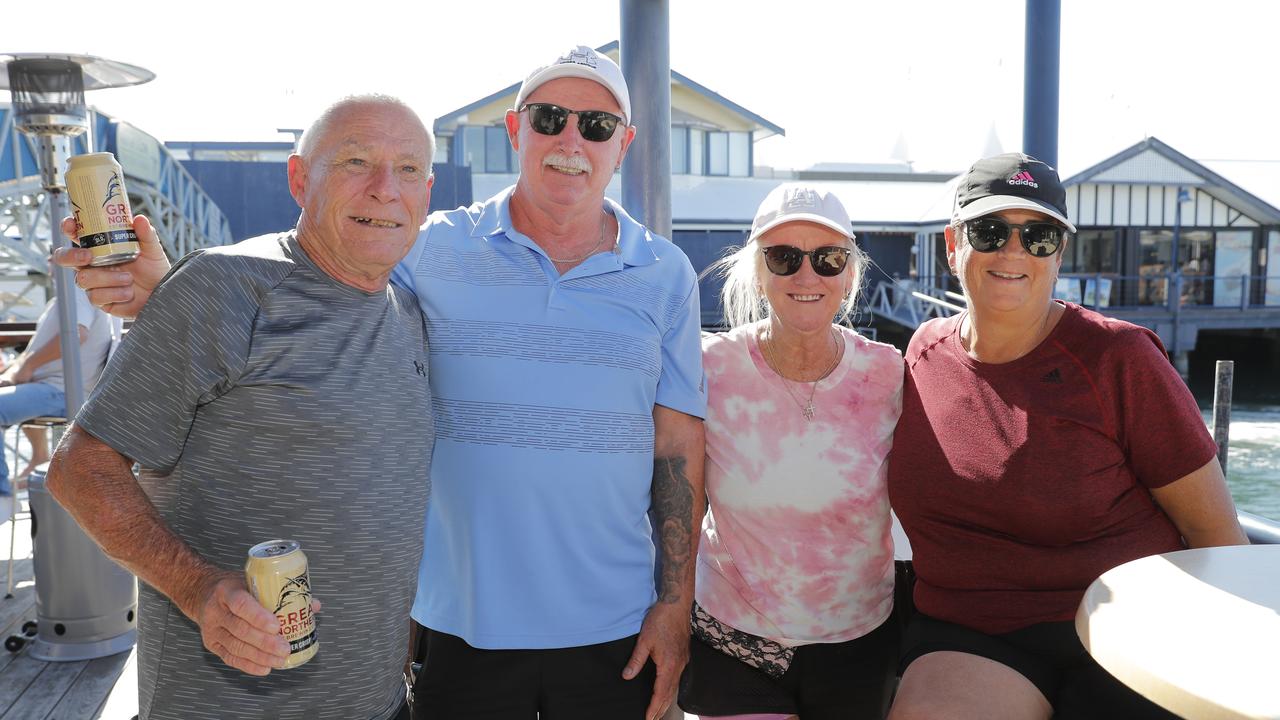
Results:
x,y
682,385
1161,430
187,347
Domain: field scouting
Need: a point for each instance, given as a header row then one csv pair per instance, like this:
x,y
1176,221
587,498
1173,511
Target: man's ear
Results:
x,y
297,169
626,143
512,121
950,234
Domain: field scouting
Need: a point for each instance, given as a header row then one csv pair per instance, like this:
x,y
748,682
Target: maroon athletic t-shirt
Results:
x,y
1020,483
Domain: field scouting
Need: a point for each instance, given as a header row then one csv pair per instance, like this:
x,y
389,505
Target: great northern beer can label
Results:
x,y
104,221
276,573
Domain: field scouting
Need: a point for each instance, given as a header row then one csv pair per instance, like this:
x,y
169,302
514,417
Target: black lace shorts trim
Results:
x,y
763,654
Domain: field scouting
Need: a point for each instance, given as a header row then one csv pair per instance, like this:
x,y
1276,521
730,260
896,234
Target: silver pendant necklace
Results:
x,y
807,407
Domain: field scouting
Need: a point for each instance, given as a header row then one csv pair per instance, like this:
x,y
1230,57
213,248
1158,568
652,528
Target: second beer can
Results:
x,y
104,221
276,573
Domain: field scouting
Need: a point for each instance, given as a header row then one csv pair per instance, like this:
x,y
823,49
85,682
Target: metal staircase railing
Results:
x,y
909,304
183,214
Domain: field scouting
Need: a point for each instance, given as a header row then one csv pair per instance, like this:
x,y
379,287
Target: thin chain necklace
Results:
x,y
590,252
807,407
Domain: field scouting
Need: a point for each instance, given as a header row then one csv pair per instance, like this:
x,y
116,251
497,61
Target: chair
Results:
x,y
16,512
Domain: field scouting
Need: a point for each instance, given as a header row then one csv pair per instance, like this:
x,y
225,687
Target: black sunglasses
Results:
x,y
1039,239
594,125
827,261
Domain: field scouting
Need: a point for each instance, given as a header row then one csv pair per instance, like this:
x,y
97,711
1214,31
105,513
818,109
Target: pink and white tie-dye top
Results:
x,y
796,545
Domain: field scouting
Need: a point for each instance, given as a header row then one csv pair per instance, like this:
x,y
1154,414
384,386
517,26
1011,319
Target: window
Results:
x,y
497,151
697,153
717,153
1155,264
740,154
729,153
485,149
472,153
1195,258
1232,260
1155,254
679,151
1090,252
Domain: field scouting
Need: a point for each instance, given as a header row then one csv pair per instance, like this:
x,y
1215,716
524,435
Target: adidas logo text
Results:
x,y
1023,178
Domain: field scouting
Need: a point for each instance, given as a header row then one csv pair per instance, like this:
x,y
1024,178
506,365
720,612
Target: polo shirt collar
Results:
x,y
634,239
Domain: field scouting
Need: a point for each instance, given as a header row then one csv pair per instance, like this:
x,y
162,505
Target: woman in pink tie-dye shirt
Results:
x,y
795,567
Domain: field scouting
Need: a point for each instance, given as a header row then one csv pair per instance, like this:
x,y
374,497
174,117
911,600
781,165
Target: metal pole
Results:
x,y
54,152
1040,80
645,45
646,64
1177,228
1175,278
1222,409
64,288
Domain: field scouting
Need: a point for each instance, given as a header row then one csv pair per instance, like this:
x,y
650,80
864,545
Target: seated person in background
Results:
x,y
31,386
1040,445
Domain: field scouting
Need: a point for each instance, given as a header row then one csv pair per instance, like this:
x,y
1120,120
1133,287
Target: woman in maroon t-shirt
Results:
x,y
1040,445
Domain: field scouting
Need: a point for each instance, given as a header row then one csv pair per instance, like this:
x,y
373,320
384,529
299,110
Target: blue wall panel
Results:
x,y
255,195
890,255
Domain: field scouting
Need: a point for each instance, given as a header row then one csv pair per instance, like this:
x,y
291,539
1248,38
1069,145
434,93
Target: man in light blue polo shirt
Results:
x,y
567,380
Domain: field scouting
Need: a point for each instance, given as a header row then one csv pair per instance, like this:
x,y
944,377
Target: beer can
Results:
x,y
104,221
276,573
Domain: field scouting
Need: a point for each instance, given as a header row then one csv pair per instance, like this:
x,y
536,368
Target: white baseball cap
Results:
x,y
581,62
797,201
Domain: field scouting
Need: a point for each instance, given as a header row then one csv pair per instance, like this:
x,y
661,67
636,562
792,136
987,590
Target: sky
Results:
x,y
930,81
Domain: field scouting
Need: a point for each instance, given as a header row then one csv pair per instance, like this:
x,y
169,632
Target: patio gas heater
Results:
x,y
85,603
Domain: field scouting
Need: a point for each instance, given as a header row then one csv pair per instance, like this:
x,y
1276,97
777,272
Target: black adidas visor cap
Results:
x,y
1012,181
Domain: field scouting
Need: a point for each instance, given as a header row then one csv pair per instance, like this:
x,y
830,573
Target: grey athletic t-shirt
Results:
x,y
264,399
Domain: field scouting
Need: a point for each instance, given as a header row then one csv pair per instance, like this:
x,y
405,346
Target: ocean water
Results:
x,y
1253,459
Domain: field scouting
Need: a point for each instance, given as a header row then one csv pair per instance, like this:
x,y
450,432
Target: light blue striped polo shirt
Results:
x,y
537,533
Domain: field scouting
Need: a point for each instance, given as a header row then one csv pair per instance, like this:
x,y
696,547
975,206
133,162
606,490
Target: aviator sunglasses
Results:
x,y
548,119
1039,239
784,260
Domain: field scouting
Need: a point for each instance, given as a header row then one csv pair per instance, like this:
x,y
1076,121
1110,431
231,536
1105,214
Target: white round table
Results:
x,y
1196,631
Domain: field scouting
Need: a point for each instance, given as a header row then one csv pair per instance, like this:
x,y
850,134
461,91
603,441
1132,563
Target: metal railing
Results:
x,y
1170,290
909,303
1109,290
183,214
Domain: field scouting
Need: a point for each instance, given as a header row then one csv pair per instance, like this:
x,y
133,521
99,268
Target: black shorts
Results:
x,y
848,680
460,682
1049,655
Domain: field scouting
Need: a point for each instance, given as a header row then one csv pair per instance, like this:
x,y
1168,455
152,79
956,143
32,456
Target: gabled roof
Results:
x,y
763,128
1152,162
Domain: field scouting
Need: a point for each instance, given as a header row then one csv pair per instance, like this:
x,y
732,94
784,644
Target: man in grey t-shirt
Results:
x,y
253,393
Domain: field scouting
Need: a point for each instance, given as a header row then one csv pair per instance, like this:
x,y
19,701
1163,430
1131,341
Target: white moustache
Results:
x,y
571,162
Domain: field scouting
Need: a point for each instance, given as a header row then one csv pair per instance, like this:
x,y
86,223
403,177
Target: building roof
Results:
x,y
1153,162
760,126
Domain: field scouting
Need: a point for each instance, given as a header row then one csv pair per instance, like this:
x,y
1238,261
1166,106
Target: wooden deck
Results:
x,y
31,689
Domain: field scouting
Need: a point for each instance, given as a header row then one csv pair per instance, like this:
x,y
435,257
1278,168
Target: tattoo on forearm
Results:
x,y
672,499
